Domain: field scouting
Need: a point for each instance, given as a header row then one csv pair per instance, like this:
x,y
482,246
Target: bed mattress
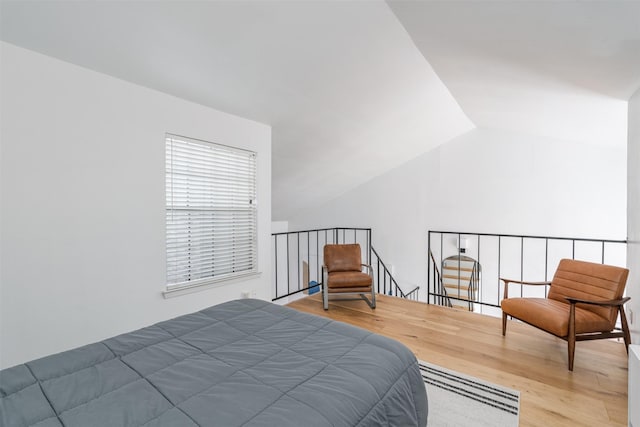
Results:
x,y
241,363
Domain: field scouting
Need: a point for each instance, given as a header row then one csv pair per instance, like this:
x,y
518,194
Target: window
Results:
x,y
211,213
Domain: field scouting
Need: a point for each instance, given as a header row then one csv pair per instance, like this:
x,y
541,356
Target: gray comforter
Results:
x,y
242,363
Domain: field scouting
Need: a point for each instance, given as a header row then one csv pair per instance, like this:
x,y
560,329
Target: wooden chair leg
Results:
x,y
504,323
625,328
571,338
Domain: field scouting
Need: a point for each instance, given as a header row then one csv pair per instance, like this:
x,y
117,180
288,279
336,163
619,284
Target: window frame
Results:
x,y
211,188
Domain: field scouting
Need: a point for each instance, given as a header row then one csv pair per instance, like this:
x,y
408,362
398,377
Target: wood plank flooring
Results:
x,y
528,360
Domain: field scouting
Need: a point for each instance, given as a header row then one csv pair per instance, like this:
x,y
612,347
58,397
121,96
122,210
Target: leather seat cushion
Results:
x,y
553,316
349,279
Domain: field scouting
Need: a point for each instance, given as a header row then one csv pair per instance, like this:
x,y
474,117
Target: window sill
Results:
x,y
179,290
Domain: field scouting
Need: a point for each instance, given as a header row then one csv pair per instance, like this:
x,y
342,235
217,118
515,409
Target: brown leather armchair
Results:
x,y
583,303
342,274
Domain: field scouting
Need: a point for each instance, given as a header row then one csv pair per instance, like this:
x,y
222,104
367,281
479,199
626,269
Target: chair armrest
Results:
x,y
613,302
521,282
368,266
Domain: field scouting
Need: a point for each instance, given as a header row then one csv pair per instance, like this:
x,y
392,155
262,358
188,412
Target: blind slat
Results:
x,y
211,213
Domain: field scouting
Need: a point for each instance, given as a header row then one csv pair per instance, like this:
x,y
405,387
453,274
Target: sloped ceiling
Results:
x,y
345,85
345,90
562,69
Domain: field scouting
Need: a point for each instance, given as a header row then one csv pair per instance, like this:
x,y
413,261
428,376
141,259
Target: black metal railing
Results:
x,y
440,292
298,260
386,283
523,257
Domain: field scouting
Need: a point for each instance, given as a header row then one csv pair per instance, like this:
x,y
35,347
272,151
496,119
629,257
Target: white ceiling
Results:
x,y
346,91
562,69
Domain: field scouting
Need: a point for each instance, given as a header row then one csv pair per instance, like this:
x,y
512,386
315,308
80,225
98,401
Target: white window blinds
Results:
x,y
211,214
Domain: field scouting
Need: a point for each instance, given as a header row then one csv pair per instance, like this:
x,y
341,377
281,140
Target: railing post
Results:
x,y
499,256
298,259
309,256
369,246
288,268
378,272
275,239
546,263
441,272
479,268
521,265
428,264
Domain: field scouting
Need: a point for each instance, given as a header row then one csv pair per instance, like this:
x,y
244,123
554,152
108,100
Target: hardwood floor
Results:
x,y
528,360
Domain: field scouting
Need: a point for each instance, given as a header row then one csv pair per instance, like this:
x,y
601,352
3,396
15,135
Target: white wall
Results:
x,y
634,386
279,226
484,181
82,193
633,214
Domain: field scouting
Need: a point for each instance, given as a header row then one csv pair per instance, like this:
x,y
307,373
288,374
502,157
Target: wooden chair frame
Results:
x,y
572,337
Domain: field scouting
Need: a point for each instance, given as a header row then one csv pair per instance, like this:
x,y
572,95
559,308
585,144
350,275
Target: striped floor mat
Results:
x,y
460,400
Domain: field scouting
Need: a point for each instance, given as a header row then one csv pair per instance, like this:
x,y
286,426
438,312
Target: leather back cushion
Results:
x,y
342,257
586,280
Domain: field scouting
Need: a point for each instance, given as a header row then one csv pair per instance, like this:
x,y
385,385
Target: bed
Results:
x,y
241,363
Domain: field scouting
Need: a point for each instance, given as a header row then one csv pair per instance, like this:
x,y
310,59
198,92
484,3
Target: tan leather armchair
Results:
x,y
342,274
583,303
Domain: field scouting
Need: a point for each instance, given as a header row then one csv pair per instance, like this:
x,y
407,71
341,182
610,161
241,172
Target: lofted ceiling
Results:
x,y
345,90
348,86
561,69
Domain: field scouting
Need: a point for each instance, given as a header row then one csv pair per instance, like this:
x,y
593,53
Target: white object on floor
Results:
x,y
634,385
457,400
